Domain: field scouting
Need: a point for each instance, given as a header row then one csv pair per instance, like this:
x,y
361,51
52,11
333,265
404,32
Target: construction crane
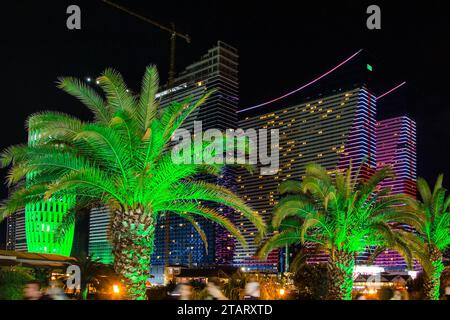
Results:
x,y
173,37
171,30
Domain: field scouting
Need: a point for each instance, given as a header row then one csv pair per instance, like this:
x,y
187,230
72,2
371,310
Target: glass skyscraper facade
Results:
x,y
333,130
216,70
99,245
396,148
16,239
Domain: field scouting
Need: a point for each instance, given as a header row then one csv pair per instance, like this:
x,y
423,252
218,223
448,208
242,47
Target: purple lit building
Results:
x,y
333,130
396,147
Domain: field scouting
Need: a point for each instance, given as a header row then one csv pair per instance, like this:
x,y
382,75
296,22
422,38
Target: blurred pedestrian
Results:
x,y
213,289
252,290
32,291
56,290
397,295
183,291
360,296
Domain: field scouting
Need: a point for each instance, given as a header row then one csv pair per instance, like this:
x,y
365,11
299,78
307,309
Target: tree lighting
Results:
x,y
341,216
123,160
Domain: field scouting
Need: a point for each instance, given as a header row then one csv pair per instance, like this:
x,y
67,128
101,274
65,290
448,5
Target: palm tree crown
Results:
x,y
432,236
339,214
122,159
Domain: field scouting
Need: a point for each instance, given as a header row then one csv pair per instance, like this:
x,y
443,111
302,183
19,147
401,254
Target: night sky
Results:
x,y
282,45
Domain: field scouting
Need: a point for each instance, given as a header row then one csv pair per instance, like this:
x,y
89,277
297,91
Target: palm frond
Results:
x,y
424,190
209,214
279,240
147,102
117,94
88,96
290,186
197,228
292,205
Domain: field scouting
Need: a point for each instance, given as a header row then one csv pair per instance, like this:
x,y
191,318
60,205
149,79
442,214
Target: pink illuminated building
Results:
x,y
396,147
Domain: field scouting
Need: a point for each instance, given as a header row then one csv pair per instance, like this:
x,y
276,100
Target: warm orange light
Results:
x,y
116,288
282,292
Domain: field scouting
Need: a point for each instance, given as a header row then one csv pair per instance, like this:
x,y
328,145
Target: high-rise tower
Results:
x,y
216,70
16,239
333,130
99,245
396,148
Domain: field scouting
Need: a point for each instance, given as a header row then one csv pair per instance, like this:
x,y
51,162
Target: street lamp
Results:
x,y
116,289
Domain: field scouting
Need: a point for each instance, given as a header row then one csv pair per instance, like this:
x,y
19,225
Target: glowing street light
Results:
x,y
282,292
116,289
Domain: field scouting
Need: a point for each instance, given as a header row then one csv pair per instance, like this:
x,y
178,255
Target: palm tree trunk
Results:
x,y
133,235
340,274
432,282
84,293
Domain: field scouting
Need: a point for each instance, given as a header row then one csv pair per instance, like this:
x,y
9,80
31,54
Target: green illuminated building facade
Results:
x,y
43,220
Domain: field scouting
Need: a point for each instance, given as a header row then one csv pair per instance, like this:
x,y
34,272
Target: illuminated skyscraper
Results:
x,y
15,232
218,70
396,147
100,246
332,130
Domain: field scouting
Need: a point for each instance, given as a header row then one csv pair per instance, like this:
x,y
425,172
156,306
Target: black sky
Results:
x,y
282,44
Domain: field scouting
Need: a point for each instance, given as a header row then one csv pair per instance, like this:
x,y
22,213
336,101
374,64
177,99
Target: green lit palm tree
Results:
x,y
433,232
122,160
341,216
91,270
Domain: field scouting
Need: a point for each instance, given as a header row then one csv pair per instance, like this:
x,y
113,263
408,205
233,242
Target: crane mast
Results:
x,y
174,34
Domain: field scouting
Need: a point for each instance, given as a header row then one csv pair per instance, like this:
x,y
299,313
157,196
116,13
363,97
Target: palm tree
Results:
x,y
91,270
432,231
341,216
122,160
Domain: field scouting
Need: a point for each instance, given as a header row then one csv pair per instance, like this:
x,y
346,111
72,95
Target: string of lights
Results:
x,y
306,85
391,90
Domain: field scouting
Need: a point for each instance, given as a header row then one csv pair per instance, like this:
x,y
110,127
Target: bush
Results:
x,y
385,294
415,288
445,280
157,293
311,281
12,282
